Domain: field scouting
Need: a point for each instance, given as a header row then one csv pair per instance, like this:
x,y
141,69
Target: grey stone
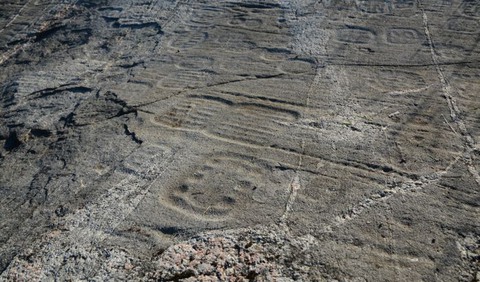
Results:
x,y
291,140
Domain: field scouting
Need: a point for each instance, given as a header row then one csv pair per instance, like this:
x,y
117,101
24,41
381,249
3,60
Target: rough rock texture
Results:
x,y
239,140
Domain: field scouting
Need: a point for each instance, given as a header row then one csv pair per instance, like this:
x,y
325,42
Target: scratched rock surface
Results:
x,y
289,140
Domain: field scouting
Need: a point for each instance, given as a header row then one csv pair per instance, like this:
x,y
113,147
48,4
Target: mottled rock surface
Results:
x,y
179,140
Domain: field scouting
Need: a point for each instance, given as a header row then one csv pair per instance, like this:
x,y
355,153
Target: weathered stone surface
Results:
x,y
239,140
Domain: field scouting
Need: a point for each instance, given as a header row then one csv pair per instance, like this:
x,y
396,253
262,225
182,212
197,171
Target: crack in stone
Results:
x,y
15,16
455,112
294,187
295,184
384,195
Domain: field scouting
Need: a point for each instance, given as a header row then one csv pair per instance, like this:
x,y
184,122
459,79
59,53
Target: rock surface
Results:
x,y
239,140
